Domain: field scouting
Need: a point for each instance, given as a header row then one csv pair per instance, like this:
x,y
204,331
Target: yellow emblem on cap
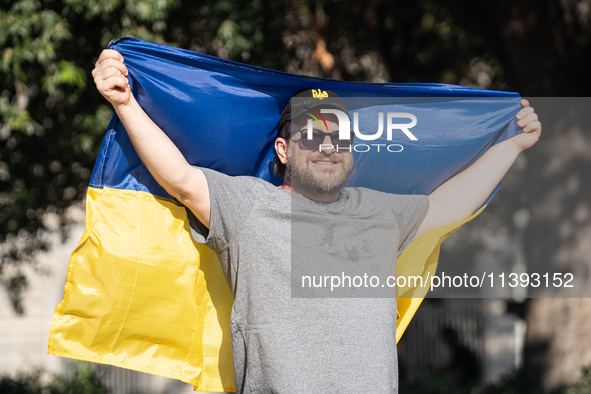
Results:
x,y
320,94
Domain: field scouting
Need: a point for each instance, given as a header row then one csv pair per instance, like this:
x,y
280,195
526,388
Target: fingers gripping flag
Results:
x,y
141,293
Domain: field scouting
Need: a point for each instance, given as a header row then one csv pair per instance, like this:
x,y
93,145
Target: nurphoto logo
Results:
x,y
345,129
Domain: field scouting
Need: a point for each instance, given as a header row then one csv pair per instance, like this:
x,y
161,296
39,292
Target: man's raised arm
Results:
x,y
462,195
158,153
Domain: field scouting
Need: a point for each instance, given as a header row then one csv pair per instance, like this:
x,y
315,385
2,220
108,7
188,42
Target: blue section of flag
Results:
x,y
223,115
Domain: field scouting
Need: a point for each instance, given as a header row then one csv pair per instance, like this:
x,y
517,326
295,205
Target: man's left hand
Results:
x,y
462,195
532,128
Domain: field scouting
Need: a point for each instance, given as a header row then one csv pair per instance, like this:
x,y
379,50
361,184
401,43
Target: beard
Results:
x,y
319,182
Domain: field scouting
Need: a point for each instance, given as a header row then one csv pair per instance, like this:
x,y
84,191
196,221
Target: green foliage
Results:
x,y
583,386
22,384
84,381
436,382
247,31
516,383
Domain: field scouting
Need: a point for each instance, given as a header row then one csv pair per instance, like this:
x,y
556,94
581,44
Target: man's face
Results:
x,y
319,171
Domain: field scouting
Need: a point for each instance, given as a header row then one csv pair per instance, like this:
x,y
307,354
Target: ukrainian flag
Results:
x,y
141,293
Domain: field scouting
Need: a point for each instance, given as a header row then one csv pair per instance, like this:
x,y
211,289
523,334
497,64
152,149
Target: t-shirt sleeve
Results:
x,y
231,201
410,211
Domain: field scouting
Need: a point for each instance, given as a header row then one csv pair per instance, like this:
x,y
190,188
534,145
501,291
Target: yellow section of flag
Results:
x,y
420,259
142,294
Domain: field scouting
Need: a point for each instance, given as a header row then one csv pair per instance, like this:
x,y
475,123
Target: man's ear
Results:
x,y
281,146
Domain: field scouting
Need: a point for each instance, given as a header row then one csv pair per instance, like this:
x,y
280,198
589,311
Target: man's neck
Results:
x,y
287,185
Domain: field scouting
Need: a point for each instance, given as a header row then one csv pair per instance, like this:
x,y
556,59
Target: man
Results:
x,y
284,344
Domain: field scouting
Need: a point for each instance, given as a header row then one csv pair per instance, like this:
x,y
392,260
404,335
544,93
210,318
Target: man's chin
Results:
x,y
322,174
324,182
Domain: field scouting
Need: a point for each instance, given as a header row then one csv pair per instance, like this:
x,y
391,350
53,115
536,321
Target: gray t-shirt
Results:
x,y
283,344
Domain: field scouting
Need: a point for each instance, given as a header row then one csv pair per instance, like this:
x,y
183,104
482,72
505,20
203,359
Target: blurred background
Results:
x,y
52,122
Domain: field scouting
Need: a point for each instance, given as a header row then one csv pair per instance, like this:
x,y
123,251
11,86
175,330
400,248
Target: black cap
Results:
x,y
310,98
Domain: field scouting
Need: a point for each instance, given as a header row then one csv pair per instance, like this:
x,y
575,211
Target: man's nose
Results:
x,y
327,147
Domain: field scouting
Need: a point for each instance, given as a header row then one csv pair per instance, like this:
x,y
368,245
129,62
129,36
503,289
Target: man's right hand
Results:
x,y
110,77
158,153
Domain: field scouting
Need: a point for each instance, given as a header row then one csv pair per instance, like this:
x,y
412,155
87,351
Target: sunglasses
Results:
x,y
319,136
